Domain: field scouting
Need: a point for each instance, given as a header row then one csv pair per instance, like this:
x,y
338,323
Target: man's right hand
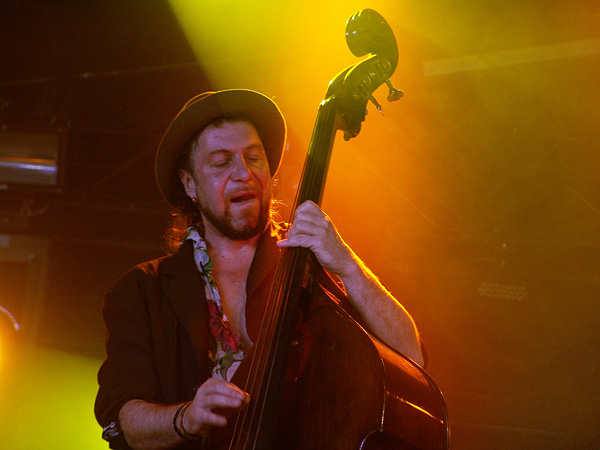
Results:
x,y
149,426
215,401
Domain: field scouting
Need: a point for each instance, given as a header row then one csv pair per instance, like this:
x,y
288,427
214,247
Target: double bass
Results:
x,y
318,380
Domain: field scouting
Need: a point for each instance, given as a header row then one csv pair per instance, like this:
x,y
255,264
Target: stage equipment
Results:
x,y
31,160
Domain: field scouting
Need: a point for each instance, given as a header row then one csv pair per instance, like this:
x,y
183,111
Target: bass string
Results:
x,y
259,379
260,367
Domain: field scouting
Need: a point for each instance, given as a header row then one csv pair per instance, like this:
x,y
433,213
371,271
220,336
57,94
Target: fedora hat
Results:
x,y
204,109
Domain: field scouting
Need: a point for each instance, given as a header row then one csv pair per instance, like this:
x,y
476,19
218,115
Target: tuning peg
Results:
x,y
376,103
394,94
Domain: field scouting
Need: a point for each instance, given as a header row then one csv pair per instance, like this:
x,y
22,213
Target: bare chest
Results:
x,y
231,283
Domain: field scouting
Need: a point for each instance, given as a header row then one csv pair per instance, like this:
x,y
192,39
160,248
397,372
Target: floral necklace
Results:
x,y
226,350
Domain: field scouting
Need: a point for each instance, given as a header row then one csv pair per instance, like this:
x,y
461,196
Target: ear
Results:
x,y
189,184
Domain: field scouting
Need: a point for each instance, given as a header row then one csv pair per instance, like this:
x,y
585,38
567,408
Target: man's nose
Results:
x,y
241,171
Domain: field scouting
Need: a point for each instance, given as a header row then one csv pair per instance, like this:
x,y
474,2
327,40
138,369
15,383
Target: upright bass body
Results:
x,y
348,391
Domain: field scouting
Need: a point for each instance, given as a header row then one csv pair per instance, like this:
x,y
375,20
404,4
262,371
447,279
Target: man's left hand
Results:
x,y
311,228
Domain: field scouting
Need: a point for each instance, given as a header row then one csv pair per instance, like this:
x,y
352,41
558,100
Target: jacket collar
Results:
x,y
182,285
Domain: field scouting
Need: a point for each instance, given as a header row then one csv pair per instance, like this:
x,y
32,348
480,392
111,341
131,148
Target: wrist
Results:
x,y
353,269
178,424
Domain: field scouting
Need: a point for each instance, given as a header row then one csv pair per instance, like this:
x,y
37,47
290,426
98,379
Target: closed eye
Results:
x,y
221,163
220,159
255,158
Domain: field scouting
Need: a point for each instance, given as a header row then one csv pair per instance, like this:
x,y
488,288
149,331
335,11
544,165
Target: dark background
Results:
x,y
492,243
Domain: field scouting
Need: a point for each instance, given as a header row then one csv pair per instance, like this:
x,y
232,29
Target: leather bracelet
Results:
x,y
175,417
180,428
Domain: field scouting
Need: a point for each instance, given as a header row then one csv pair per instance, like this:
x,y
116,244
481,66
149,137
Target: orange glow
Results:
x,y
492,144
291,51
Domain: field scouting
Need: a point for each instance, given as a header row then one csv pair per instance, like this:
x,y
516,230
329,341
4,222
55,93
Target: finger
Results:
x,y
307,228
310,223
306,234
301,240
213,419
216,385
310,207
218,400
218,393
310,212
238,391
215,400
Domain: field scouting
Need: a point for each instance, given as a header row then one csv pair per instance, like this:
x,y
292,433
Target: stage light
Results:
x,y
30,159
55,391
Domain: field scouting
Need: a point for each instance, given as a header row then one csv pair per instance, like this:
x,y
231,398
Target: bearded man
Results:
x,y
179,327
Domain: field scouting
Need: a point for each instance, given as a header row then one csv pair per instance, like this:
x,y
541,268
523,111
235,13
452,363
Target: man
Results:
x,y
179,327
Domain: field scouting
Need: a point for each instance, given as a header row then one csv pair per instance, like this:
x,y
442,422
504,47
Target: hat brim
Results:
x,y
204,109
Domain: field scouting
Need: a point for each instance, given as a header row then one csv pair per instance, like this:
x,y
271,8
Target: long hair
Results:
x,y
187,213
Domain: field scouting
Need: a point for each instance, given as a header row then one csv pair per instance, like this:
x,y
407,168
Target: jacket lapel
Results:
x,y
260,279
183,288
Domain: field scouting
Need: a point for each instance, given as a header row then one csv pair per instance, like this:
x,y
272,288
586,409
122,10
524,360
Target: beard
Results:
x,y
238,229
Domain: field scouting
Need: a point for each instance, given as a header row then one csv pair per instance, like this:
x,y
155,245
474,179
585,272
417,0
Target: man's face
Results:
x,y
231,180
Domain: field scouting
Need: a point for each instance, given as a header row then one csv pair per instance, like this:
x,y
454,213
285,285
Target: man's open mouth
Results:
x,y
244,197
